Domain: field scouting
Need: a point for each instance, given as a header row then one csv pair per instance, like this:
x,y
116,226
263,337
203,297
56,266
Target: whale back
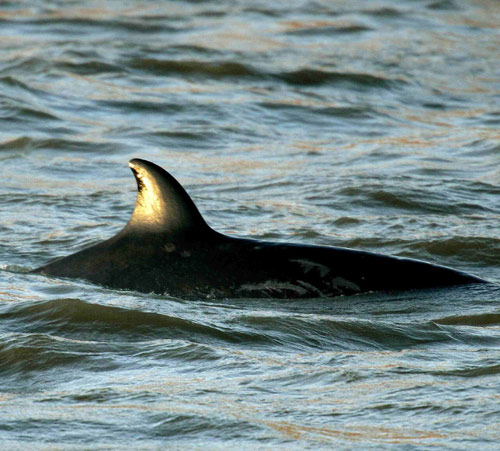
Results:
x,y
167,247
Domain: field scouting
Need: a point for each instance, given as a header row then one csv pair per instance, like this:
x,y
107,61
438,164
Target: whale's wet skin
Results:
x,y
363,125
167,247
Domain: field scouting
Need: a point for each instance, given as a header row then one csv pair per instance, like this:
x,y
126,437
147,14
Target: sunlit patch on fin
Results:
x,y
162,205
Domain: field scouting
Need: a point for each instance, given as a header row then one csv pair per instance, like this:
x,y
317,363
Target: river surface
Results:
x,y
372,125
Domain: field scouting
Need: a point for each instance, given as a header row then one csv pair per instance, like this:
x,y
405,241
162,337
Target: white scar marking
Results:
x,y
311,288
340,282
273,286
308,266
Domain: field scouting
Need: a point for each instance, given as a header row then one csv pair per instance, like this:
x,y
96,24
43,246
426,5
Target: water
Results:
x,y
372,125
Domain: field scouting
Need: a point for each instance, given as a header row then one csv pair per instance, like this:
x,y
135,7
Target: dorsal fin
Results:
x,y
162,206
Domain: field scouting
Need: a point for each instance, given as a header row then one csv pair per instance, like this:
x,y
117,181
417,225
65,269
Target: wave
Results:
x,y
43,336
19,113
88,67
23,65
67,25
352,333
75,316
483,250
24,353
82,320
491,369
478,320
192,67
302,29
477,252
230,69
414,200
73,145
314,77
363,112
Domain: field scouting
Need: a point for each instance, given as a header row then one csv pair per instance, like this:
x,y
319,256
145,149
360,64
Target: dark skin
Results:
x,y
167,248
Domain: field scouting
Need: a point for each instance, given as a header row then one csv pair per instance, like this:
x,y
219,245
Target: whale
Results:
x,y
168,248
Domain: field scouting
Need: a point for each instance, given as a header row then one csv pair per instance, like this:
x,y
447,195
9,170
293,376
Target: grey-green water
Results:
x,y
372,125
